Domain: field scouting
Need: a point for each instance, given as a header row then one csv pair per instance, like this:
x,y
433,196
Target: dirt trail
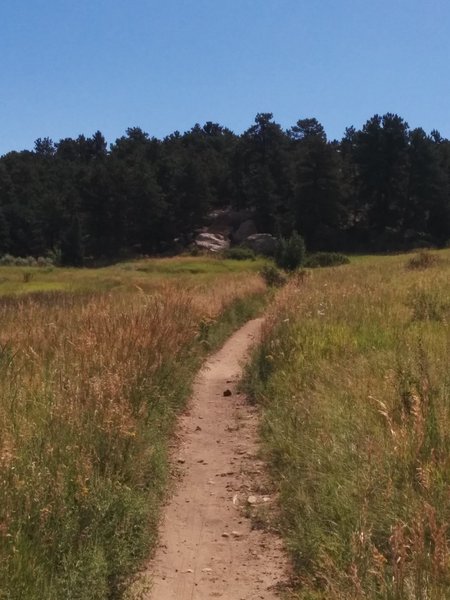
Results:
x,y
208,548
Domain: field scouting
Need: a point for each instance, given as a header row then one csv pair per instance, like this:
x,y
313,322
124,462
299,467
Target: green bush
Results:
x,y
273,276
290,253
326,259
240,253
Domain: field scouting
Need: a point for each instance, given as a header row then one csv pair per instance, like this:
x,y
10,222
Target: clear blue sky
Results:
x,y
75,66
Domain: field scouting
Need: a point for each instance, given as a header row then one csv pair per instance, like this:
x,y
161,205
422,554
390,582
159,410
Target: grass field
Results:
x,y
126,276
354,379
94,365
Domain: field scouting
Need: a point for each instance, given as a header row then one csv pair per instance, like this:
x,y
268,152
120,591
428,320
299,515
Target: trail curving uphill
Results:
x,y
208,548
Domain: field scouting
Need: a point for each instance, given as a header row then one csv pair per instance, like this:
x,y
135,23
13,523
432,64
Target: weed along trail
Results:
x,y
208,548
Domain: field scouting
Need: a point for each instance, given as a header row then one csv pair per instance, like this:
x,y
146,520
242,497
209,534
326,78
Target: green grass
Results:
x,y
201,265
146,273
353,376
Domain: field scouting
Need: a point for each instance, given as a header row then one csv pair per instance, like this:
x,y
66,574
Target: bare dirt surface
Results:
x,y
208,547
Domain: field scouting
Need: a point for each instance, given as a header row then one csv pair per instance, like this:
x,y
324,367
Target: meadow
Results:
x,y
125,276
94,366
353,377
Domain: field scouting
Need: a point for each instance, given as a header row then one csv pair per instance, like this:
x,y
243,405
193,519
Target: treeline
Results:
x,y
384,187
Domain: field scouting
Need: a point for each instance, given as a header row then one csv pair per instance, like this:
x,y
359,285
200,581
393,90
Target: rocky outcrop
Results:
x,y
212,242
226,226
244,230
227,222
261,243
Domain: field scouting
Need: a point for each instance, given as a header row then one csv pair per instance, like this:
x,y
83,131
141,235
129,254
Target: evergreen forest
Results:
x,y
384,187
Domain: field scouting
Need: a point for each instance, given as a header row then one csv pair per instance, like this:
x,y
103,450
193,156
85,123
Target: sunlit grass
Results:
x,y
145,273
90,383
354,377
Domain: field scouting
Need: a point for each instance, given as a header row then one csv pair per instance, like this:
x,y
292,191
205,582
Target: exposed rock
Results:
x,y
261,243
212,242
244,230
227,393
226,221
221,226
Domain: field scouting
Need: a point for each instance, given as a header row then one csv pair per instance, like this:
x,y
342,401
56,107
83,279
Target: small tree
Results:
x,y
291,252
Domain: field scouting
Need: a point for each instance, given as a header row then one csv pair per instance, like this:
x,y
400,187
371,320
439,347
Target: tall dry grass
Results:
x,y
354,378
89,386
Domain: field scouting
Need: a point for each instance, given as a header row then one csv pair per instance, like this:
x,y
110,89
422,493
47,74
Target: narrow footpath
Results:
x,y
208,548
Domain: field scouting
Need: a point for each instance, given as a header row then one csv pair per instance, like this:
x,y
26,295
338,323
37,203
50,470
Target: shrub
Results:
x,y
423,260
290,252
240,253
41,261
53,257
272,276
20,262
7,260
326,259
31,261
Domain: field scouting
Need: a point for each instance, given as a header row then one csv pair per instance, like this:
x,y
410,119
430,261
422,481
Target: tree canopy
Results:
x,y
383,187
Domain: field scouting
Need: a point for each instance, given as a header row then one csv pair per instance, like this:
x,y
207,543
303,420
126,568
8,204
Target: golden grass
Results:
x,y
354,377
89,385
